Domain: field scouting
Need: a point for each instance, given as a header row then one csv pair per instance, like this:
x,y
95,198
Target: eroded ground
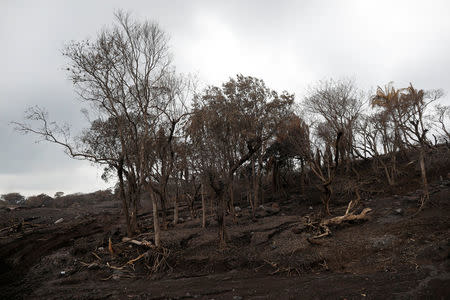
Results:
x,y
392,255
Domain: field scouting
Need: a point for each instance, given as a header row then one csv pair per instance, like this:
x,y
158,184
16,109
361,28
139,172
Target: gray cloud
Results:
x,y
289,44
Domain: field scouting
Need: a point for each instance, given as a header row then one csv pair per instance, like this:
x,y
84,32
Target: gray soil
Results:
x,y
391,255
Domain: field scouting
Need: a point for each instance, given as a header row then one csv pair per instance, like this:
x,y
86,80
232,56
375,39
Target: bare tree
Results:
x,y
377,142
123,75
337,105
168,132
442,118
416,125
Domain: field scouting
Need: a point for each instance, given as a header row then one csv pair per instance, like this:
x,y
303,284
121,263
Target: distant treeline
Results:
x,y
58,201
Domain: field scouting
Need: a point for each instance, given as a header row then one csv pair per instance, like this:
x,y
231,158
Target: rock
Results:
x,y
384,242
237,298
59,220
237,209
116,277
398,211
310,207
180,220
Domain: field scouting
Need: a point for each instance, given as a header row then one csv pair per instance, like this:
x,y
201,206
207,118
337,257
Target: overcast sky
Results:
x,y
289,44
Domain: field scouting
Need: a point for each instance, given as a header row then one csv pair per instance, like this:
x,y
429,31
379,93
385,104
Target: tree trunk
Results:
x,y
250,201
326,198
124,202
255,185
203,208
302,177
221,221
163,208
156,227
132,207
211,206
260,183
388,174
134,213
175,210
394,168
424,174
231,192
175,203
275,177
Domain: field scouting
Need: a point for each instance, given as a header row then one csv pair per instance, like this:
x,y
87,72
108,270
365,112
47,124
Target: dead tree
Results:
x,y
122,75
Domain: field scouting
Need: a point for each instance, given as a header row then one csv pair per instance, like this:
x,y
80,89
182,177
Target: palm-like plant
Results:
x,y
387,97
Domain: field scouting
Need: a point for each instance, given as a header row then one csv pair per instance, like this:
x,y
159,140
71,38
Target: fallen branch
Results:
x,y
326,232
347,218
160,260
132,261
422,203
114,267
157,255
95,254
139,243
107,278
279,269
89,266
110,248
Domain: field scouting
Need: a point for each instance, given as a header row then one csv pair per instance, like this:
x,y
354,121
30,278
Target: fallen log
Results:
x,y
347,218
